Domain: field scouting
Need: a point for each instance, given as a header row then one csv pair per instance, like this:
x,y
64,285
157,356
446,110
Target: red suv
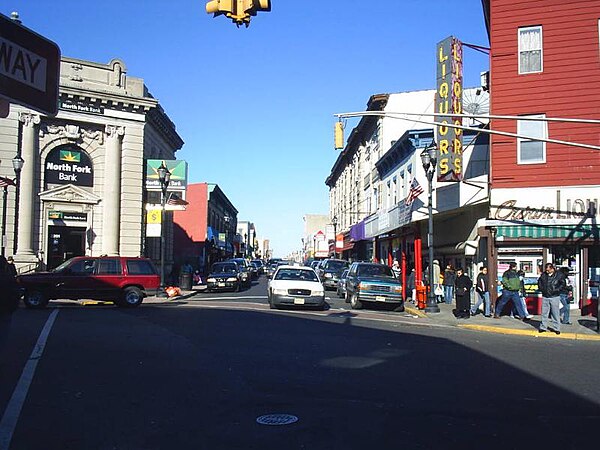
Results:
x,y
123,280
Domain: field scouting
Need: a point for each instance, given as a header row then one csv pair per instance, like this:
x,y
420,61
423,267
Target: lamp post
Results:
x,y
429,160
334,223
17,163
164,176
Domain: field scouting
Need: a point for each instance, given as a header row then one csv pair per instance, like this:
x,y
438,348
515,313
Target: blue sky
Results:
x,y
255,106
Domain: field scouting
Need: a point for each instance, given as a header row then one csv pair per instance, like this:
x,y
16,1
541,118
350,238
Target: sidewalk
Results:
x,y
581,328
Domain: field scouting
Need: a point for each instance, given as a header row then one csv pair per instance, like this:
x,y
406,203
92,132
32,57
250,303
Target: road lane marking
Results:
x,y
262,297
13,409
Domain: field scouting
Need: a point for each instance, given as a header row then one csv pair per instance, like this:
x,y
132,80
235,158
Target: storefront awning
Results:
x,y
570,232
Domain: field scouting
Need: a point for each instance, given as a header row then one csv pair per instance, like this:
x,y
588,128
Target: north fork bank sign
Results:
x,y
69,165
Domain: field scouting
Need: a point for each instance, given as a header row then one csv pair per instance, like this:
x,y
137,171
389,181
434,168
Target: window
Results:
x,y
532,151
395,191
82,267
109,267
140,267
530,50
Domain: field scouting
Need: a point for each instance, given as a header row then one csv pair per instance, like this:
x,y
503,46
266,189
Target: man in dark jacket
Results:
x,y
449,280
483,292
463,286
551,283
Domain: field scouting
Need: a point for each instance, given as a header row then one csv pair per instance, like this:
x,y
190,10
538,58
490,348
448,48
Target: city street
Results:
x,y
200,372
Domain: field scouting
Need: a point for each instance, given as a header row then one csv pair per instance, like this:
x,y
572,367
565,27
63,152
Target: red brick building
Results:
x,y
545,64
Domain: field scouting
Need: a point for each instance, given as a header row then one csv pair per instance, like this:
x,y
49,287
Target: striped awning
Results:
x,y
577,232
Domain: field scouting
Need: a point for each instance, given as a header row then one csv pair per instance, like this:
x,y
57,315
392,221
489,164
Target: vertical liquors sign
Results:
x,y
448,104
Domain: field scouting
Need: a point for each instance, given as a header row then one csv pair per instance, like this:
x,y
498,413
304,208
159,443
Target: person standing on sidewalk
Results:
x,y
565,310
463,294
551,283
483,292
449,280
511,285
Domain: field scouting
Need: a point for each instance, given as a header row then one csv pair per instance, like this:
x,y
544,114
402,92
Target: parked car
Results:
x,y
244,266
254,270
330,270
296,286
315,265
371,282
341,286
123,280
224,276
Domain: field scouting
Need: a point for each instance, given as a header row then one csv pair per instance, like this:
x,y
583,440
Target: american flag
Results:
x,y
4,182
176,200
415,190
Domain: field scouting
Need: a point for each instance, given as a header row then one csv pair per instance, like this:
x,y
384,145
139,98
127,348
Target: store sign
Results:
x,y
65,215
178,169
545,205
80,107
68,164
448,102
153,220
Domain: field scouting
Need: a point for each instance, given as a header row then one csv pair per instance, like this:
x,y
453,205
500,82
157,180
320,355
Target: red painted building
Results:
x,y
205,231
545,64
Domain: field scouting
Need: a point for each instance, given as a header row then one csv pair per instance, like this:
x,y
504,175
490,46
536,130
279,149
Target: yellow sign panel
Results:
x,y
153,216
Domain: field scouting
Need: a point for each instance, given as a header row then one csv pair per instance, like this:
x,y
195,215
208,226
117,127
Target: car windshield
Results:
x,y
296,274
62,266
374,270
336,265
224,268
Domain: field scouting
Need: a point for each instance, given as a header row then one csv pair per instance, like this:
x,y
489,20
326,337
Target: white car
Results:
x,y
296,286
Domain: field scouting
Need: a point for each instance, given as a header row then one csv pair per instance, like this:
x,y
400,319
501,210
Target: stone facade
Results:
x,y
108,124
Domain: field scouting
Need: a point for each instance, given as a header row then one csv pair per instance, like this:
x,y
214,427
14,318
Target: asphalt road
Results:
x,y
198,374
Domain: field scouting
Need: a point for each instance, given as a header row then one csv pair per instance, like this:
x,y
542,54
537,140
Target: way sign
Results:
x,y
29,67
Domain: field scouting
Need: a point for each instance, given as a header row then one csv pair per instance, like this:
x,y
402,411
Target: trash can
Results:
x,y
421,296
185,281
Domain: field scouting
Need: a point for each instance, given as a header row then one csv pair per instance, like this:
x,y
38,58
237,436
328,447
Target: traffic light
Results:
x,y
218,7
338,133
239,11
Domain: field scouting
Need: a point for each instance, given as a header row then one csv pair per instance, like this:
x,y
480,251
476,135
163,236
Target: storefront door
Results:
x,y
64,243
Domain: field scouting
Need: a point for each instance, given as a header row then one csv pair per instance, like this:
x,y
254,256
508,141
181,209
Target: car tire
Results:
x,y
355,303
132,297
347,297
238,288
399,308
35,299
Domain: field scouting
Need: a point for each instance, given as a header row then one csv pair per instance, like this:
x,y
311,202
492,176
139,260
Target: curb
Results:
x,y
533,333
414,311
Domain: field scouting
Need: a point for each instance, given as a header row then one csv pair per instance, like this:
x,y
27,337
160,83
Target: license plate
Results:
x,y
298,301
379,298
221,284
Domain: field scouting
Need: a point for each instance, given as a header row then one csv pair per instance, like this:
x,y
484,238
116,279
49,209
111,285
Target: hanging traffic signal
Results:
x,y
338,133
239,11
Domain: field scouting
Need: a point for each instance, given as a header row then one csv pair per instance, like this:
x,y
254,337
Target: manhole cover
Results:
x,y
277,419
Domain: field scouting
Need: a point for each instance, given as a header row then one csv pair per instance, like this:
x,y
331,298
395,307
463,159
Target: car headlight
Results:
x,y
397,289
318,293
328,275
279,291
232,279
244,276
363,287
211,280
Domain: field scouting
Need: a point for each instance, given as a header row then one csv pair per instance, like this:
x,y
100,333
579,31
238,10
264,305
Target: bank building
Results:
x,y
80,190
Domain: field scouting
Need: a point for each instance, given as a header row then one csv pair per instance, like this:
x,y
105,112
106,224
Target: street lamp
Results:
x,y
334,223
17,163
164,176
429,160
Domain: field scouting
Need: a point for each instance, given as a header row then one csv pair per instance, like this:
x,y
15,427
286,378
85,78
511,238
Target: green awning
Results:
x,y
575,232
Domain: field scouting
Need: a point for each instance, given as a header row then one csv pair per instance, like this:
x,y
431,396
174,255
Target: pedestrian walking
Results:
x,y
437,289
449,280
565,310
9,301
463,286
11,268
396,268
551,283
511,285
522,297
483,293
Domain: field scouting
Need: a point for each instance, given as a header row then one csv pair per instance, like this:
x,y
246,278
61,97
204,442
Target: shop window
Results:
x,y
530,50
531,151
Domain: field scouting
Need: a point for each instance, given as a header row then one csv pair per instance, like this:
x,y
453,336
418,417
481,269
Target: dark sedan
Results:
x,y
224,276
